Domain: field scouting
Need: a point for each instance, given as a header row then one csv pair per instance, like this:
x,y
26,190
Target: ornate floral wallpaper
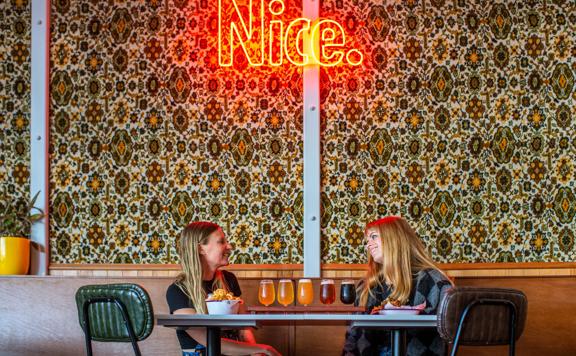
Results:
x,y
14,102
462,121
149,133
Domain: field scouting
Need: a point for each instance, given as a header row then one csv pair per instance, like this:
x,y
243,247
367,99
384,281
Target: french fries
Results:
x,y
394,302
221,294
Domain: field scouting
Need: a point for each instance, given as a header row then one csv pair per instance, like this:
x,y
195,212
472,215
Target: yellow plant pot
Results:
x,y
14,255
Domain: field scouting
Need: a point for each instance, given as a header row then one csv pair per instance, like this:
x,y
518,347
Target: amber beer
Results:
x,y
305,292
347,292
266,292
285,292
327,291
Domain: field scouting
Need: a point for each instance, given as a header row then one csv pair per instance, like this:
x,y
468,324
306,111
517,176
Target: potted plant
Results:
x,y
15,224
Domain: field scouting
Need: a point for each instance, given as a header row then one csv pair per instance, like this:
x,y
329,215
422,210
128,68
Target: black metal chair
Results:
x,y
114,313
482,316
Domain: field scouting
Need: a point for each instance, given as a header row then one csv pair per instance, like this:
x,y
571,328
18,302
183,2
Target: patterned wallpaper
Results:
x,y
462,121
149,133
14,102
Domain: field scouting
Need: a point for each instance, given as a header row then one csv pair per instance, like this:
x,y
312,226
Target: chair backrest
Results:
x,y
106,321
486,324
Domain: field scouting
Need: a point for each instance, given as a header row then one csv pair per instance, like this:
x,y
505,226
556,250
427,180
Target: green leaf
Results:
x,y
40,211
33,201
36,217
18,223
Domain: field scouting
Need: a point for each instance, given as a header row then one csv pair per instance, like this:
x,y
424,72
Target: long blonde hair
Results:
x,y
403,255
190,280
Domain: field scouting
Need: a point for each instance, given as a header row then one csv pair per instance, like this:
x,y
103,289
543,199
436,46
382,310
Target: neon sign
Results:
x,y
320,42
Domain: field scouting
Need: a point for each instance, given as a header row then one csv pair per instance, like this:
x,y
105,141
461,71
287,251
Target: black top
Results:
x,y
177,299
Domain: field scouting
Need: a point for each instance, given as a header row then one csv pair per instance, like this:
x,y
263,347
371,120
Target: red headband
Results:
x,y
384,220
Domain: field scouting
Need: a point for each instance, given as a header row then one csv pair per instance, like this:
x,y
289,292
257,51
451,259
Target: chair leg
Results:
x,y
512,327
123,312
136,349
456,343
446,348
459,330
128,325
86,328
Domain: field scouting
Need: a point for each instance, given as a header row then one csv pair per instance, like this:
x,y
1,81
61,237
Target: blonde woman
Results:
x,y
399,270
203,250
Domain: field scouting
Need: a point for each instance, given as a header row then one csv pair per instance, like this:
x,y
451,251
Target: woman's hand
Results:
x,y
376,309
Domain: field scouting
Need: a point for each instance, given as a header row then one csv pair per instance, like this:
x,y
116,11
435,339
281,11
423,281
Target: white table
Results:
x,y
213,323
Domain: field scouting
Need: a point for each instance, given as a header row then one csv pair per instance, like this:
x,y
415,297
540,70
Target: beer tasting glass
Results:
x,y
266,293
347,292
305,292
285,292
327,291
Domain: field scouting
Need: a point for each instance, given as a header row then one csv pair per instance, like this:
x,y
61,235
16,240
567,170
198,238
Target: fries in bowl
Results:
x,y
222,302
221,294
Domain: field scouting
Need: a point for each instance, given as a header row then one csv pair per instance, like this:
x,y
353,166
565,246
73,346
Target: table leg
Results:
x,y
213,341
398,342
292,339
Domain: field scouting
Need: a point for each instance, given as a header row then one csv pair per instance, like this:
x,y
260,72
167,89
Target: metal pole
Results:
x,y
213,341
39,161
311,82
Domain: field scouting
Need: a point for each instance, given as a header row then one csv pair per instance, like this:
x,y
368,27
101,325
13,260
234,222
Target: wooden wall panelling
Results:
x,y
356,271
38,316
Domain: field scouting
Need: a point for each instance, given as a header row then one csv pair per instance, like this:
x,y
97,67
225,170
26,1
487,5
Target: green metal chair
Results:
x,y
114,313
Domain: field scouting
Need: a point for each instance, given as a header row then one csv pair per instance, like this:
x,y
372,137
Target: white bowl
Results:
x,y
399,312
223,306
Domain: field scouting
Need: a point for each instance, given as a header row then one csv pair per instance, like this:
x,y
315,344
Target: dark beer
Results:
x,y
347,292
327,291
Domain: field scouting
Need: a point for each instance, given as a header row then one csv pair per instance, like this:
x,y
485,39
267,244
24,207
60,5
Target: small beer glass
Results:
x,y
347,292
285,292
327,291
305,292
266,293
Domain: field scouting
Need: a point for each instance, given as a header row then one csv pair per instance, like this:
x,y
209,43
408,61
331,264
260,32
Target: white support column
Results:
x,y
311,80
39,130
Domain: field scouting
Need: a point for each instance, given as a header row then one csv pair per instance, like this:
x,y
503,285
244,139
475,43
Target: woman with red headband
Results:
x,y
400,272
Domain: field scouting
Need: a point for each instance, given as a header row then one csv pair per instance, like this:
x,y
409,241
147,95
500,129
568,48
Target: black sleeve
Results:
x,y
177,299
233,284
